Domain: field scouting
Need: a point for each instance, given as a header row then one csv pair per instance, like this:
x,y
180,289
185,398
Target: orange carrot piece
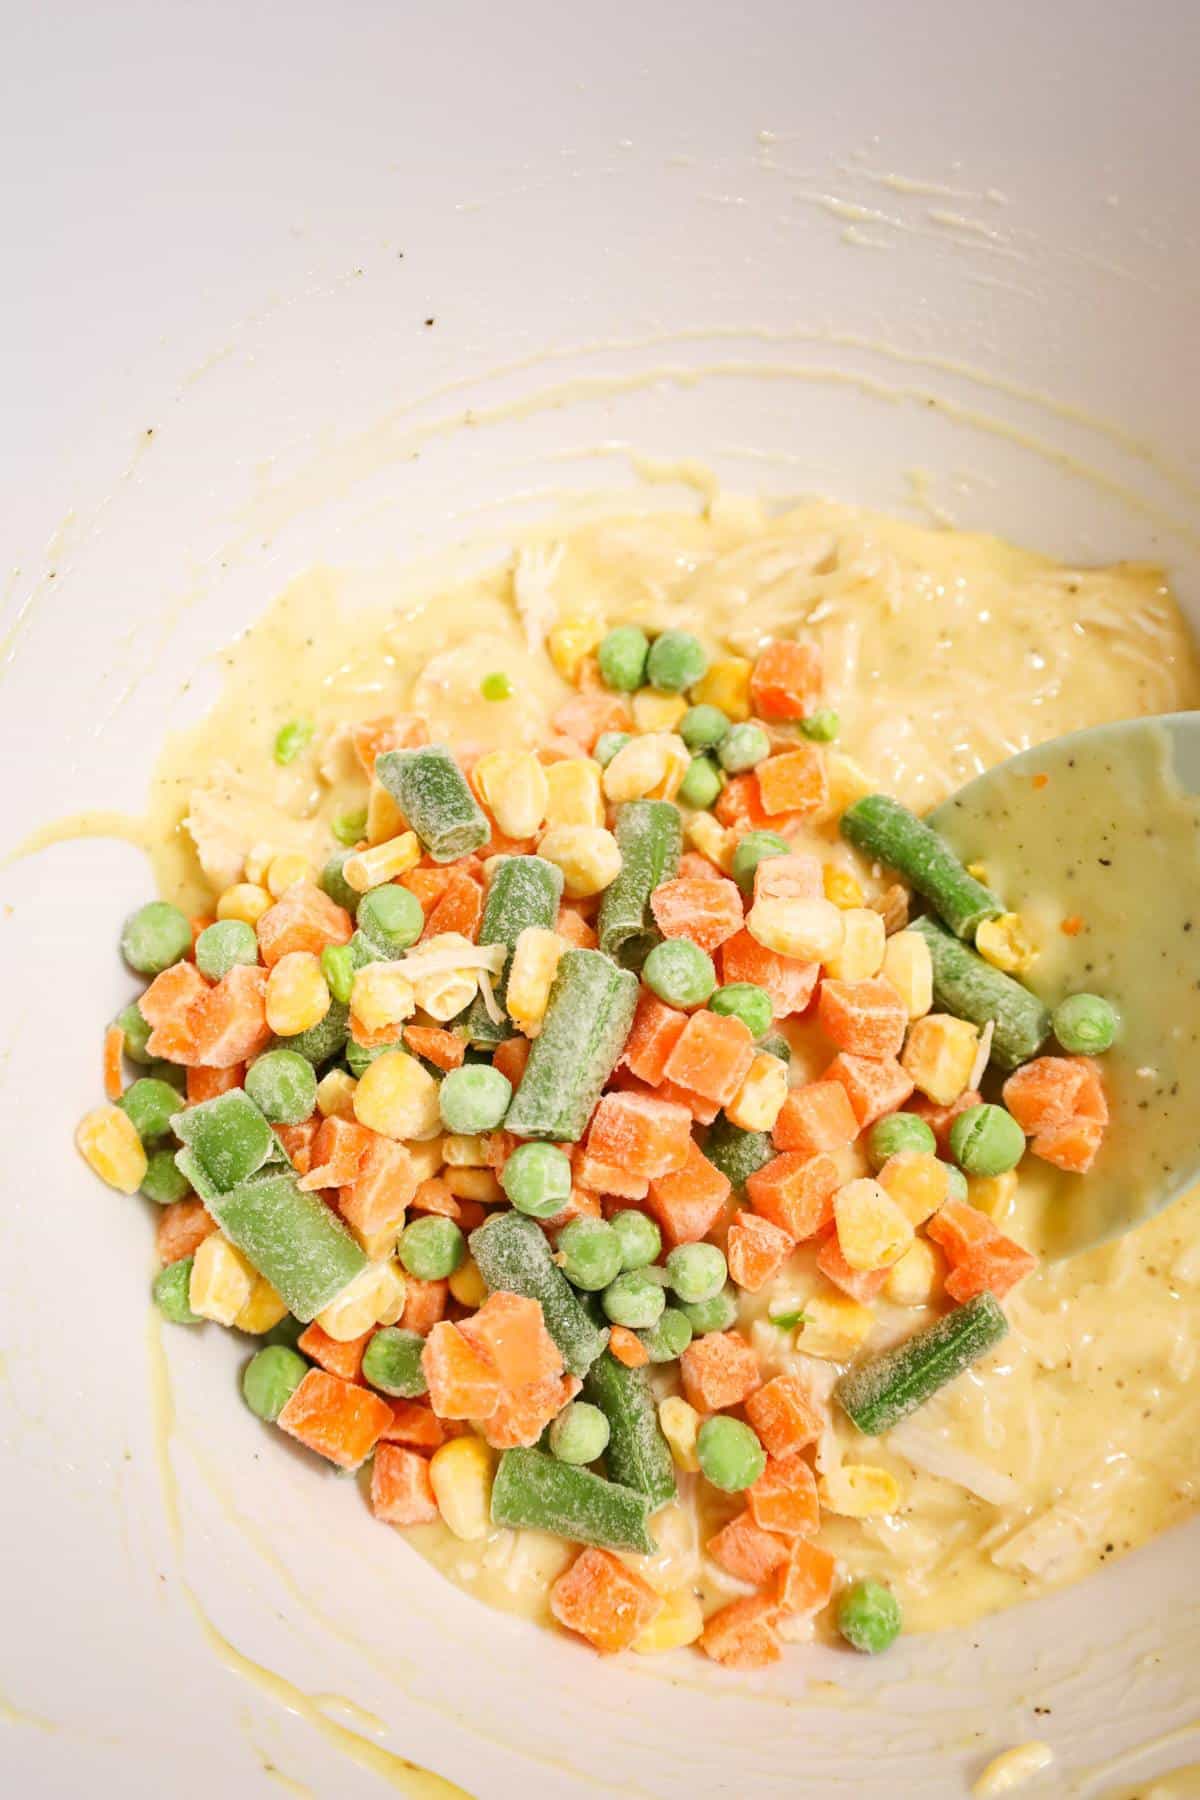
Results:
x,y
981,1257
785,682
718,1370
816,1117
206,1084
182,1227
688,1203
874,1085
704,909
712,1056
805,1584
171,1006
401,1488
784,1498
424,1304
520,1415
742,1635
861,1284
370,739
304,918
1072,1147
571,925
739,808
297,1141
628,1347
462,1383
755,1250
746,1551
229,1025
603,1601
585,717
702,1110
795,782
114,1050
790,983
1043,1093
337,1419
1090,1103
794,877
441,1048
509,1332
510,1058
337,1358
583,1203
374,1200
692,864
656,1030
460,908
795,1192
867,1018
339,1152
433,1196
783,1414
639,1134
414,1423
609,1178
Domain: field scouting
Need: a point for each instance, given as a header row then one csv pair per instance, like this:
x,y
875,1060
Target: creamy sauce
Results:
x,y
945,652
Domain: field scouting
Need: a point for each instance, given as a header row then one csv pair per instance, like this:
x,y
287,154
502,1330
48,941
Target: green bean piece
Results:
x,y
155,936
392,1363
525,891
622,657
868,1616
223,945
228,1138
588,1016
270,1379
292,1238
288,1332
164,1181
536,1492
361,1056
170,1293
150,1104
1085,1024
433,794
986,1140
639,1456
579,1434
677,660
878,1393
292,739
512,1255
322,1041
970,988
884,829
649,836
737,1153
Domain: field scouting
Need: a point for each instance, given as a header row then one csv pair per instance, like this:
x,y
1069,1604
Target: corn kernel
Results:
x,y
841,886
297,994
245,901
385,821
378,1245
427,1157
647,768
939,1054
221,1281
914,1279
574,794
918,1182
859,1491
285,870
382,995
474,1184
335,1095
908,965
726,683
368,869
653,711
680,1424
847,782
834,1326
711,839
1005,943
374,1297
467,1284
513,786
978,871
759,1101
398,1098
462,1472
568,642
873,1232
531,975
109,1144
263,1309
390,1293
864,942
811,930
993,1194
679,1621
586,854
258,860
464,1152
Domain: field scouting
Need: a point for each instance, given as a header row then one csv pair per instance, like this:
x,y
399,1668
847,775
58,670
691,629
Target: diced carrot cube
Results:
x,y
303,918
712,1056
706,909
182,1227
520,1416
719,1370
339,1151
375,1198
510,1058
875,1086
867,1018
784,1498
628,1347
609,1178
657,1028
702,1110
688,1203
795,782
756,1250
1090,1102
433,1196
640,1134
981,1257
816,1117
424,1304
401,1488
509,1332
742,1635
171,994
603,1601
462,1383
1043,1093
207,1084
114,1050
861,1284
442,1048
459,908
691,863
746,1550
960,1229
297,1141
1072,1147
337,1358
806,1583
794,877
940,1118
783,1414
337,1419
414,1423
789,982
585,717
581,1204
228,1025
739,808
786,680
574,928
428,883
370,739
795,1192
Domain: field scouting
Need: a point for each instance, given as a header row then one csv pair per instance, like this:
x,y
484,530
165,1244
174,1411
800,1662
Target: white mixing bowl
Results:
x,y
355,284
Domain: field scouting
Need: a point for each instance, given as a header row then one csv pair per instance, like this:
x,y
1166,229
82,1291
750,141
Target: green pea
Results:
x,y
729,1454
822,726
151,1105
697,1272
745,1001
223,946
333,882
580,1433
163,1181
667,1341
957,1188
283,1086
349,828
622,658
293,738
607,745
339,966
154,937
639,1238
497,686
172,1073
1085,1024
986,1140
701,784
390,919
868,1616
589,1254
677,660
898,1132
392,1363
703,727
137,1033
717,1314
751,850
634,1300
744,748
431,1247
680,973
170,1293
325,1039
361,1056
270,1379
474,1098
537,1179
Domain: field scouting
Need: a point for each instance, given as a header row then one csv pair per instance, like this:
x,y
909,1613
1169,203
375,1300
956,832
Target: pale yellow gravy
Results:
x,y
945,652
